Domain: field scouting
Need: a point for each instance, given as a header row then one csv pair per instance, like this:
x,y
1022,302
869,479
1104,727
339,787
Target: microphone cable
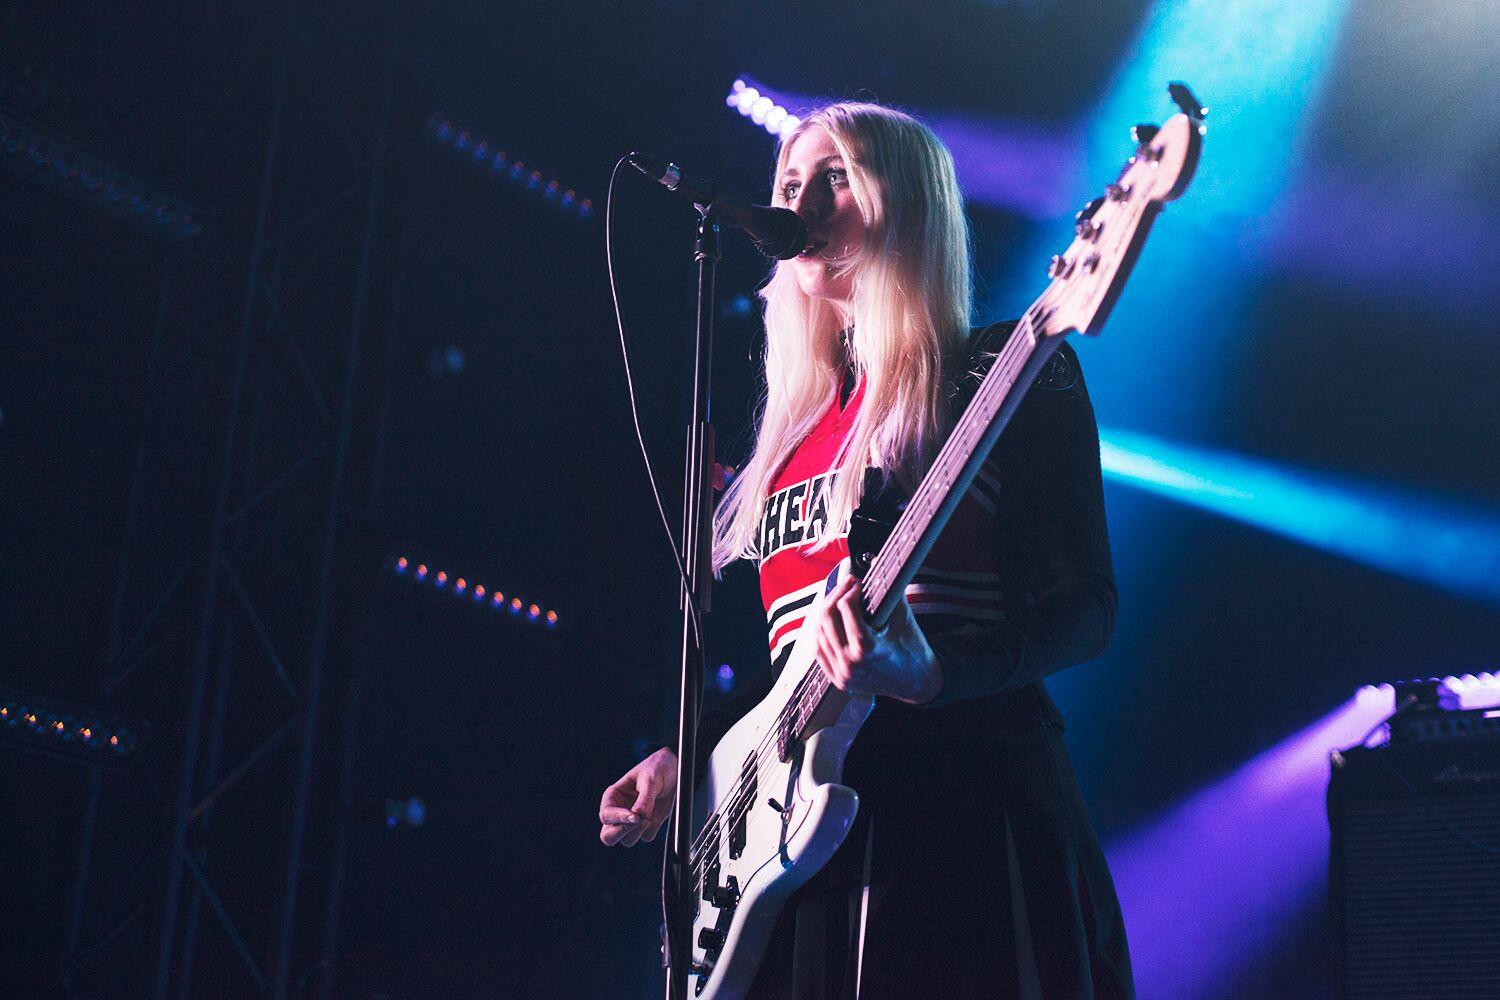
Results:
x,y
684,588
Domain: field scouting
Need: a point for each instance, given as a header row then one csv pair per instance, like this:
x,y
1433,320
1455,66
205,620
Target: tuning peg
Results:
x,y
1144,133
1087,212
1185,101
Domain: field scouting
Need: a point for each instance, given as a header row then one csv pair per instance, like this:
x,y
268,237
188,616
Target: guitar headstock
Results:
x,y
1110,230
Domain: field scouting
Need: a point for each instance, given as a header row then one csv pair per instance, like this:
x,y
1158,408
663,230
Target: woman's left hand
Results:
x,y
896,661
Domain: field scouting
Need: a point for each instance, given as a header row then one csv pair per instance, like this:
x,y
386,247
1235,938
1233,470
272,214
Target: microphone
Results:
x,y
776,232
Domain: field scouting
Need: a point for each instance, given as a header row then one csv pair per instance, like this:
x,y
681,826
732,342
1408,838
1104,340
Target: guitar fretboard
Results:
x,y
934,500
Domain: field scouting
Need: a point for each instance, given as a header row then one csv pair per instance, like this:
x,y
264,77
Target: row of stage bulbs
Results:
x,y
476,592
42,724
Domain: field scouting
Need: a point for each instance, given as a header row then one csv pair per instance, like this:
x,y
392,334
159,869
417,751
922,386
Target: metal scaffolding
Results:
x,y
276,464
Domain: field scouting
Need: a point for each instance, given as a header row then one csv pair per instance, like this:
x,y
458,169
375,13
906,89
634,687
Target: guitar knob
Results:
x,y
711,940
1144,133
725,896
1059,266
1117,192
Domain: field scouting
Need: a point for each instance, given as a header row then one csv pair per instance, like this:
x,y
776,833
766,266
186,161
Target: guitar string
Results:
x,y
815,682
741,791
1015,345
963,440
878,570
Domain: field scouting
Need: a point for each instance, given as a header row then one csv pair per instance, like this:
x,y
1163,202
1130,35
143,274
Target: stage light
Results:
x,y
35,152
1008,165
1220,879
1430,539
762,108
476,150
62,728
473,592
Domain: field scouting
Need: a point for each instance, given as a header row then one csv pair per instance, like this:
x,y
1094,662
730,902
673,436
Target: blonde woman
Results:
x,y
973,870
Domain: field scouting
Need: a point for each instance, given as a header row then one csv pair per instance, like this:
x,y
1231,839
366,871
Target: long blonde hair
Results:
x,y
911,303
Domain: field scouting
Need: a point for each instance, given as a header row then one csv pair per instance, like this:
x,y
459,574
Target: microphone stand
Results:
x,y
678,887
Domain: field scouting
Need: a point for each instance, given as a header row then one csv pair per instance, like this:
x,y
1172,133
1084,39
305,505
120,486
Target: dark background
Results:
x,y
1342,323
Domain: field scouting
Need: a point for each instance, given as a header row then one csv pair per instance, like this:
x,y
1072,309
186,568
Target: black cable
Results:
x,y
635,417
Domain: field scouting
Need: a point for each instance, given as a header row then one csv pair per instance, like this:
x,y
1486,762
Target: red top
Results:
x,y
957,588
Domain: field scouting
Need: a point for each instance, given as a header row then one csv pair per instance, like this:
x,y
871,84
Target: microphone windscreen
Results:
x,y
783,233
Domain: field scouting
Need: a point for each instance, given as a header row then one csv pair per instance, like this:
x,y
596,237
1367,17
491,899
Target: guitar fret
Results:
x,y
891,562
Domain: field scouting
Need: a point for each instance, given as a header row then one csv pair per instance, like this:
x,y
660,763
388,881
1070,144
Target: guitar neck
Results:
x,y
953,471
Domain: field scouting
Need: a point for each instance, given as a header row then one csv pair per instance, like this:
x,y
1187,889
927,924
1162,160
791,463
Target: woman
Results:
x,y
973,870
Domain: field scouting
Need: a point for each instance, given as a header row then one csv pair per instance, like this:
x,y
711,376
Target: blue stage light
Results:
x,y
480,152
1261,66
1436,541
51,160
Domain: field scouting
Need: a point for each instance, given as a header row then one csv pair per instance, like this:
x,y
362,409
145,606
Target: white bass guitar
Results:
x,y
778,809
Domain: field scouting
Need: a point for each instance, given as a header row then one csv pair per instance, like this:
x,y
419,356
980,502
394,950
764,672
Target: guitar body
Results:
x,y
769,853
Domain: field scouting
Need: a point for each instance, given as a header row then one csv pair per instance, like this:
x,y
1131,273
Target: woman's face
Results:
x,y
815,184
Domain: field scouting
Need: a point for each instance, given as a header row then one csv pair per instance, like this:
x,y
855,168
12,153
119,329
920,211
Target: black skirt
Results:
x,y
961,879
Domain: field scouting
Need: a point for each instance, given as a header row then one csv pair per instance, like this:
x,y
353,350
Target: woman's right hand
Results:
x,y
635,807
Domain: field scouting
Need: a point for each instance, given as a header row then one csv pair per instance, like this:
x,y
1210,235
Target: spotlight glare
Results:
x,y
746,98
1431,539
401,564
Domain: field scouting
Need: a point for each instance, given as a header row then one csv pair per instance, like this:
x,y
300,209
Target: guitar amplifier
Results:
x,y
1415,866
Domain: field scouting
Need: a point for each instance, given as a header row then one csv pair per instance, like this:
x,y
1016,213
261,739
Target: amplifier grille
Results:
x,y
1421,906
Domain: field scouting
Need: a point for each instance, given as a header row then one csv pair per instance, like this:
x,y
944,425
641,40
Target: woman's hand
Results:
x,y
635,807
896,662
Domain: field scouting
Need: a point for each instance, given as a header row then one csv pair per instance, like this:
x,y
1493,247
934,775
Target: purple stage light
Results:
x,y
1018,168
1215,884
1345,228
1013,167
